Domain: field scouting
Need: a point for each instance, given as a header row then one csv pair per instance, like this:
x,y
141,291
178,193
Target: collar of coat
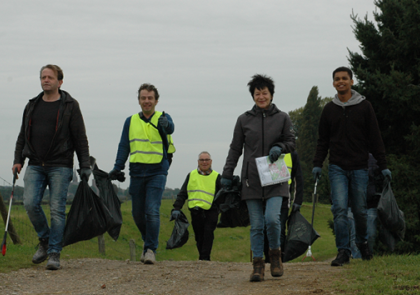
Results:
x,y
256,110
64,96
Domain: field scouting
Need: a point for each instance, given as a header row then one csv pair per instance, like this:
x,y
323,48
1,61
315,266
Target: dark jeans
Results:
x,y
345,183
204,223
36,179
146,194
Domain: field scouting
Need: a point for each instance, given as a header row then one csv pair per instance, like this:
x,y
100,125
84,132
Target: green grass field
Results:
x,y
395,274
231,244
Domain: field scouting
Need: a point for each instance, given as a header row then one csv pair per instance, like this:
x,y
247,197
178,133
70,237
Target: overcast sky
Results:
x,y
199,54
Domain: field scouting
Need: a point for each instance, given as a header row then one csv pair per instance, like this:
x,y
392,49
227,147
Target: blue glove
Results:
x,y
86,172
163,122
113,174
387,173
274,154
316,172
175,214
296,207
226,183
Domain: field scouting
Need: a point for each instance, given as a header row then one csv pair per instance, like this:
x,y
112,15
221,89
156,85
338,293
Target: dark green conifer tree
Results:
x,y
388,74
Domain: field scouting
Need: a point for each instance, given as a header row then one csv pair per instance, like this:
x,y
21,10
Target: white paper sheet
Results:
x,y
272,173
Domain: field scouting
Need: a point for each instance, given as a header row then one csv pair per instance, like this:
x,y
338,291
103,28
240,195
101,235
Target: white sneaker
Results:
x,y
142,257
149,257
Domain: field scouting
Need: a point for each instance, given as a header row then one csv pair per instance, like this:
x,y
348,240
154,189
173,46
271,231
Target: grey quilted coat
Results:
x,y
256,132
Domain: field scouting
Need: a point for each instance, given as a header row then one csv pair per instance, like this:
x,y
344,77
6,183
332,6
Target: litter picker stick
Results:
x,y
309,252
3,244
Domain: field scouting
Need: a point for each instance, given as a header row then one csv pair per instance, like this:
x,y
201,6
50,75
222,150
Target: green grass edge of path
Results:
x,y
394,274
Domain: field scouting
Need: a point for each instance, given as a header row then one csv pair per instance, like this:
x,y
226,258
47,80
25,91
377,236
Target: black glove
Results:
x,y
296,207
226,183
175,214
163,121
316,172
116,175
85,173
113,174
274,154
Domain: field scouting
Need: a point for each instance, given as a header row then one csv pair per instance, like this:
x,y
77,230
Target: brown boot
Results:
x,y
258,272
276,266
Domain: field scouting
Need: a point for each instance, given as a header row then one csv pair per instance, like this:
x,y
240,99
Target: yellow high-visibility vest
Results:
x,y
146,144
289,164
201,189
171,148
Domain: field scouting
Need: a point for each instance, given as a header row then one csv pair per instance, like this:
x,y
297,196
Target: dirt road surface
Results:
x,y
99,276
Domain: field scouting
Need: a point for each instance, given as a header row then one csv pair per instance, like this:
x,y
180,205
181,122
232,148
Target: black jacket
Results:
x,y
70,136
349,134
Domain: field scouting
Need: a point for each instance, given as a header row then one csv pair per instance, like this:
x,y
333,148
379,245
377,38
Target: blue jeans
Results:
x,y
146,194
372,215
345,183
36,180
271,220
355,253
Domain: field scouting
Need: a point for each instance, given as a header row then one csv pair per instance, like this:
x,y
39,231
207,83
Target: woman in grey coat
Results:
x,y
263,130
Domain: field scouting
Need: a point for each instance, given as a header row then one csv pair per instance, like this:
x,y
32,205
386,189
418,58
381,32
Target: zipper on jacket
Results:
x,y
262,127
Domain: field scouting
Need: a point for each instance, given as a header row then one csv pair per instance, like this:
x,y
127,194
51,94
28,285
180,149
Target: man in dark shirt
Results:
x,y
52,130
348,130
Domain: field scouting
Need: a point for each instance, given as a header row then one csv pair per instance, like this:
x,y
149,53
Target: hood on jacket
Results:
x,y
356,98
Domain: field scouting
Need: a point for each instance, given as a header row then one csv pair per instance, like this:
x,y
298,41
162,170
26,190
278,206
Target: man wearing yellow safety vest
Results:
x,y
199,188
146,140
296,190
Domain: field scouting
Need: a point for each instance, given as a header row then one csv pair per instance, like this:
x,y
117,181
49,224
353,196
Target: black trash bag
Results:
x,y
87,217
180,232
111,200
234,211
300,236
387,238
392,218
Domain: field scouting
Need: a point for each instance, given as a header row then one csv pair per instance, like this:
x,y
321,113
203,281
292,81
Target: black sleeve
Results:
x,y
20,142
182,195
297,178
218,184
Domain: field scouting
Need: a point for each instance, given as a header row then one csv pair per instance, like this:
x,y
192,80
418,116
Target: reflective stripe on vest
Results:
x,y
145,141
201,189
289,164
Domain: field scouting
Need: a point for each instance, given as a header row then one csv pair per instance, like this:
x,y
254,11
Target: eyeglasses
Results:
x,y
204,160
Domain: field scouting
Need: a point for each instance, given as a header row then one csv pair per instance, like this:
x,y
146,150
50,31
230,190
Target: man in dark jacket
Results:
x,y
199,190
52,130
348,130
